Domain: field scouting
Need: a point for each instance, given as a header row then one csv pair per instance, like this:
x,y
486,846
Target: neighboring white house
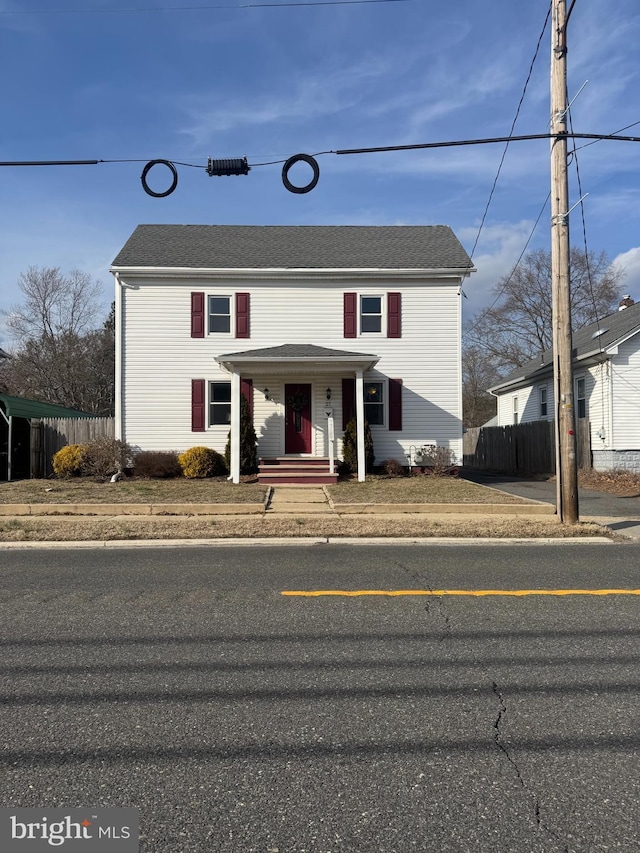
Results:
x,y
312,323
606,374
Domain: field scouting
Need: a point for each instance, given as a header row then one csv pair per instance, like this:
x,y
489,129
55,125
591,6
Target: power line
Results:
x,y
513,125
194,8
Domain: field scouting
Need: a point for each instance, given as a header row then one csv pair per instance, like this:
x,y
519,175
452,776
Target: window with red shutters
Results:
x,y
198,403
350,315
395,404
242,315
197,315
348,401
394,318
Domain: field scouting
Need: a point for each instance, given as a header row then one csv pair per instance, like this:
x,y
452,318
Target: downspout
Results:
x,y
118,408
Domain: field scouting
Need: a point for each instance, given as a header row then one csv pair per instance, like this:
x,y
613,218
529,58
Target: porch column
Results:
x,y
360,425
235,428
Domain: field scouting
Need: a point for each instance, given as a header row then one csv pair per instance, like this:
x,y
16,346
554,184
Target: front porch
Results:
x,y
297,403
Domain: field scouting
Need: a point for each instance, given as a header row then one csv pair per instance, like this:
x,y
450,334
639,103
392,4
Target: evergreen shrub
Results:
x,y
200,462
67,461
350,447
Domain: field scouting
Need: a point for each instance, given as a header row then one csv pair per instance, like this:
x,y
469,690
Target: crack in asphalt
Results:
x,y
437,606
505,751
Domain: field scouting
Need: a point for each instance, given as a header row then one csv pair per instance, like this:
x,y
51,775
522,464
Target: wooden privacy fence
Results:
x,y
522,448
48,435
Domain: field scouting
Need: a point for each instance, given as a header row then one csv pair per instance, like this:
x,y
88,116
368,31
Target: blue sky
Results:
x,y
186,84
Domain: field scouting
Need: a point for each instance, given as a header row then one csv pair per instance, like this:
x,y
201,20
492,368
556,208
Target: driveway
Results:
x,y
622,512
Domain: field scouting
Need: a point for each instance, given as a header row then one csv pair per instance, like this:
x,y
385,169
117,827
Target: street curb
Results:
x,y
186,509
302,541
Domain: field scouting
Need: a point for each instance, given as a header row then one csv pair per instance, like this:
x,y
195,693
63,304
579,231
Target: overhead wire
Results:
x,y
513,124
206,8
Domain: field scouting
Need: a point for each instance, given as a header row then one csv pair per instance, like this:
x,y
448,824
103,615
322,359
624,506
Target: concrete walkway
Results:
x,y
297,500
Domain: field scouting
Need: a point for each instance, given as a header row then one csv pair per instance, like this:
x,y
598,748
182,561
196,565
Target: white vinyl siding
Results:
x,y
161,359
625,381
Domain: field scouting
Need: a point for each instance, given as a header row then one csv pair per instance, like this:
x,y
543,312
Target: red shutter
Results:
x,y
198,404
246,388
197,315
395,404
348,401
242,315
394,305
350,315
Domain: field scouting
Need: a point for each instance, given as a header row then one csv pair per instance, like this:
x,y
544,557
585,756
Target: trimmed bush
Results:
x,y
393,468
157,463
67,461
439,461
105,456
350,447
200,462
248,441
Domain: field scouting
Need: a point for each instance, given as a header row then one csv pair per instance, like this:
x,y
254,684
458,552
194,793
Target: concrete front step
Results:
x,y
295,471
300,461
297,478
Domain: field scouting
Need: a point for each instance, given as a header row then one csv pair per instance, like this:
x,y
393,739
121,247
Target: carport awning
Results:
x,y
18,407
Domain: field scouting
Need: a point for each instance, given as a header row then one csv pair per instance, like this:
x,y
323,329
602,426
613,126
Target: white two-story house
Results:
x,y
313,324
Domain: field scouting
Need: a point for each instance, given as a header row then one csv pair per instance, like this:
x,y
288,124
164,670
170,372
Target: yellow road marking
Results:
x,y
316,593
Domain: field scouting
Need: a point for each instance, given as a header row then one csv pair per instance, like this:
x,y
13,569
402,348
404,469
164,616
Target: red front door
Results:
x,y
297,429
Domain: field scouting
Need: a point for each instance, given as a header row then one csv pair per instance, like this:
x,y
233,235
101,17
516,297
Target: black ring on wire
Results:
x,y
297,158
145,172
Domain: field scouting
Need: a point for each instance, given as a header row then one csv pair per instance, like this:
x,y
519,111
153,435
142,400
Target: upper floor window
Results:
x,y
515,410
581,397
543,401
374,403
219,314
370,314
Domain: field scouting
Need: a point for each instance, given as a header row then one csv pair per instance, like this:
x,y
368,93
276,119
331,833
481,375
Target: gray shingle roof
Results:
x,y
295,351
586,342
294,246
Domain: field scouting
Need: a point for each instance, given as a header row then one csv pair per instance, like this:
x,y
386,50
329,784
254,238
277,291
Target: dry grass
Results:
x,y
68,529
621,483
134,490
418,489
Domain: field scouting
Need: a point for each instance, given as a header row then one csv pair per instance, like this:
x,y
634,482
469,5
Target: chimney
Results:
x,y
626,302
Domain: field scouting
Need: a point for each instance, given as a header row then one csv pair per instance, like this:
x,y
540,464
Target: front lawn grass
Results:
x,y
132,490
417,489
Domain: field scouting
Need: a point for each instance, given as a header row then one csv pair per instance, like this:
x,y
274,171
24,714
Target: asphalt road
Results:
x,y
183,683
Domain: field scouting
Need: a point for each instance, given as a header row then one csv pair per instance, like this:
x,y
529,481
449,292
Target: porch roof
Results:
x,y
297,358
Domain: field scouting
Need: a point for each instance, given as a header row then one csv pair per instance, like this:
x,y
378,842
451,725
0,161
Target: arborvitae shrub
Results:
x,y
350,447
68,460
199,462
248,441
157,463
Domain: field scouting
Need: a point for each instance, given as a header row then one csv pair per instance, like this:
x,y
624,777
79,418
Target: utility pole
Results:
x,y
566,462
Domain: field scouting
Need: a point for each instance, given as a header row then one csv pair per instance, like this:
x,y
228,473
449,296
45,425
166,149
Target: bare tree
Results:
x,y
54,304
63,354
479,372
519,326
